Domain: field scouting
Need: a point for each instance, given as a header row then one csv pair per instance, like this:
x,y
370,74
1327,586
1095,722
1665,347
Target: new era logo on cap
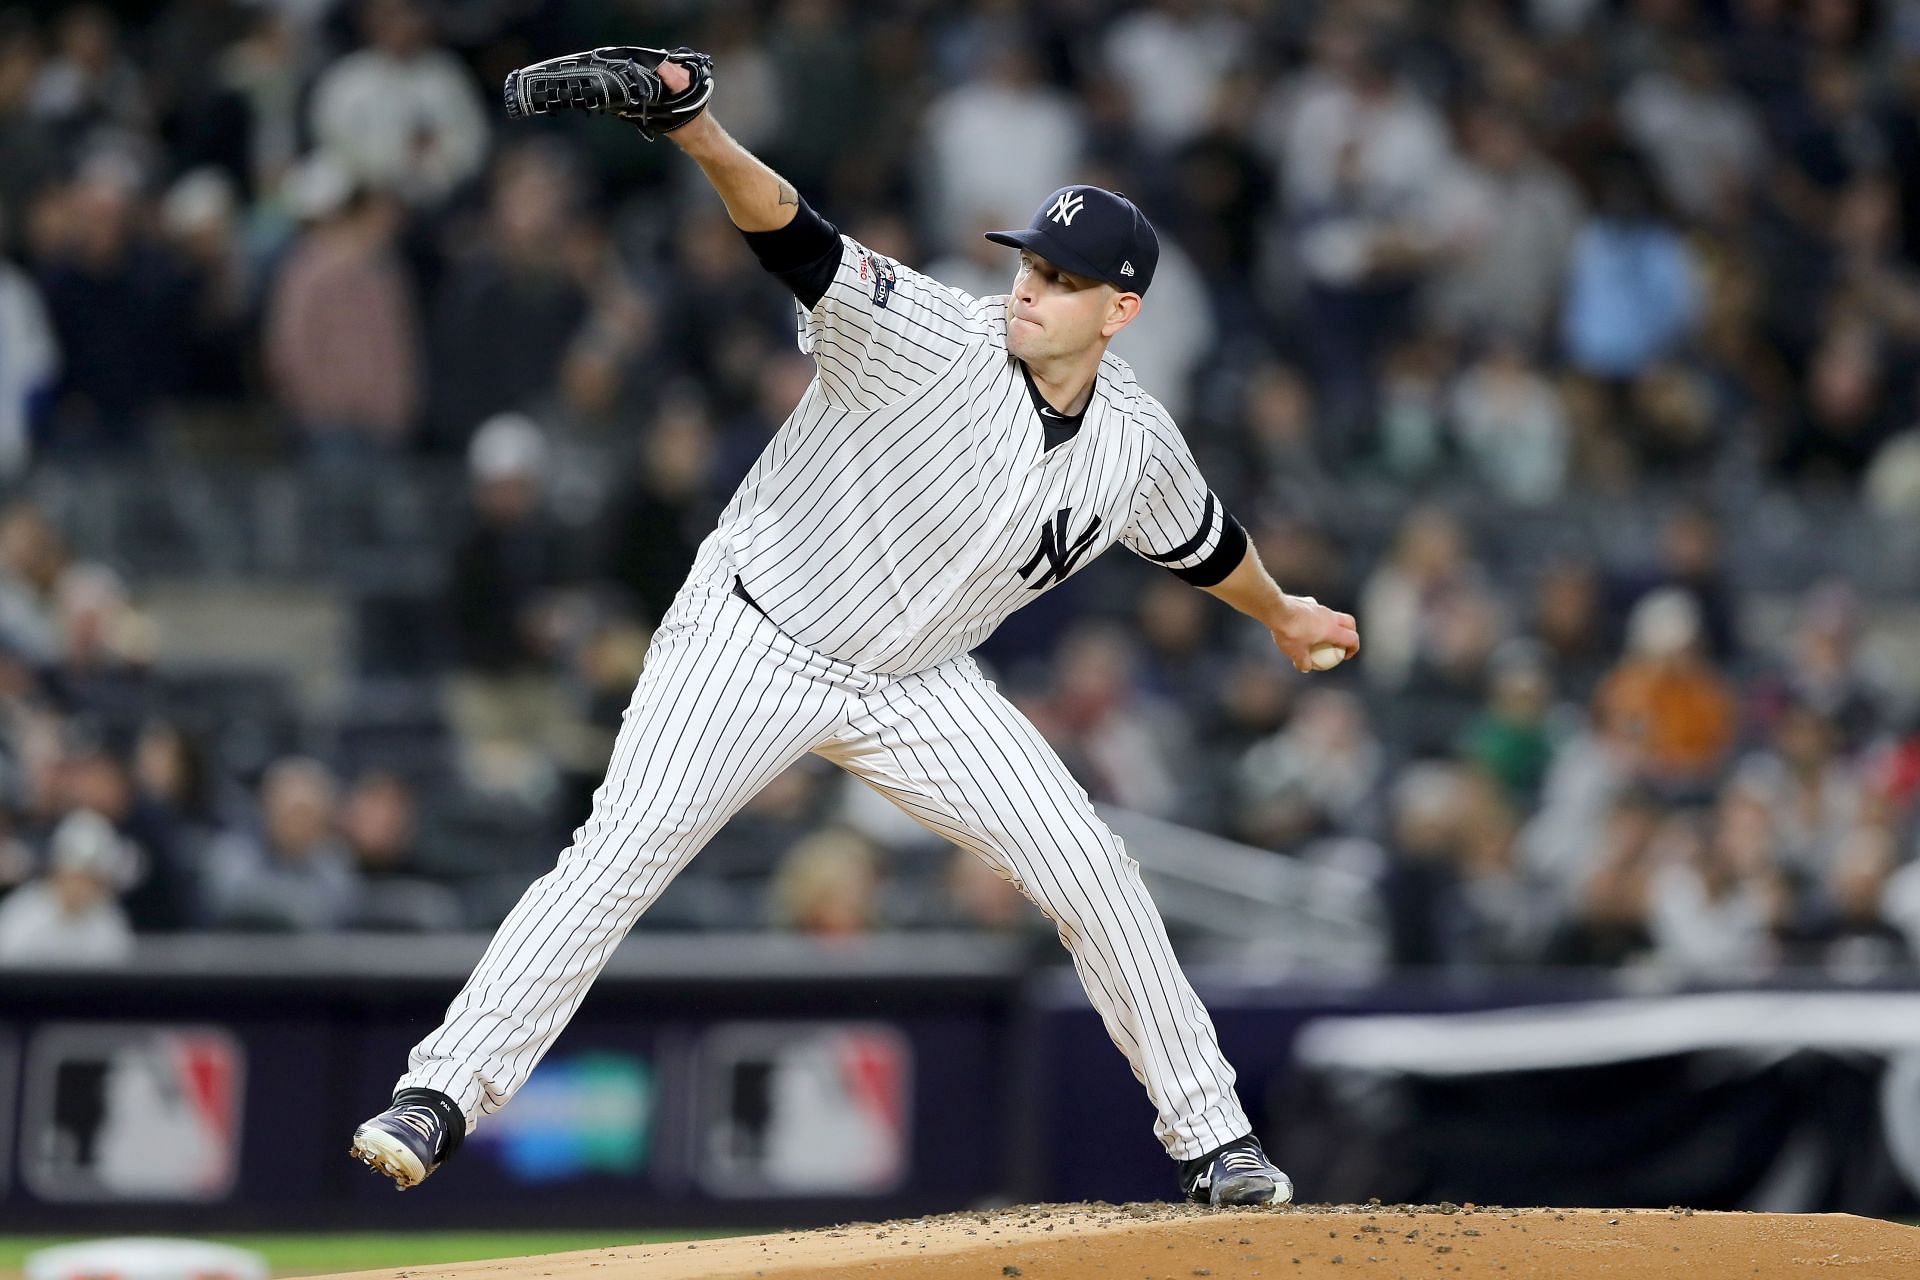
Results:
x,y
1090,231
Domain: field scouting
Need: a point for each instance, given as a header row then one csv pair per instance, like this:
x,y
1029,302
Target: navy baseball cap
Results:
x,y
1092,232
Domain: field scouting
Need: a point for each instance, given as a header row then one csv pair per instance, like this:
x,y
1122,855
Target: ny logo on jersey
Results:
x,y
1060,558
1065,207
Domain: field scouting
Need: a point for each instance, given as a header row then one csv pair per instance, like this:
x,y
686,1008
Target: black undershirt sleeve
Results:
x,y
804,254
1225,558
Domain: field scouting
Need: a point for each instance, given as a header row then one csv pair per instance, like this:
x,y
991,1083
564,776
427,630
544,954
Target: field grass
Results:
x,y
305,1255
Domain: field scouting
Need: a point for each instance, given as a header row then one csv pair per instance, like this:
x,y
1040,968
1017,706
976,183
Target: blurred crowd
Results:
x,y
1435,278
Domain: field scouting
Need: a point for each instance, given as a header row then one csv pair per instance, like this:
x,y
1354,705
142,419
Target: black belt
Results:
x,y
740,589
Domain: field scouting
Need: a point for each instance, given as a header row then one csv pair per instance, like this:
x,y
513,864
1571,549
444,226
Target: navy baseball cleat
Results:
x,y
1236,1174
411,1138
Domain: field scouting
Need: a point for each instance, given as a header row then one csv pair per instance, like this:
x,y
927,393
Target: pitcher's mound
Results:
x,y
1175,1242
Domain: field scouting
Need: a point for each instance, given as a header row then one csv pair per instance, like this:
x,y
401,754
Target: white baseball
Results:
x,y
1327,656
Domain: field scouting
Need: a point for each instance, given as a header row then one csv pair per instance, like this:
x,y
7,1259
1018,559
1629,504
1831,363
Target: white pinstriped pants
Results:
x,y
726,702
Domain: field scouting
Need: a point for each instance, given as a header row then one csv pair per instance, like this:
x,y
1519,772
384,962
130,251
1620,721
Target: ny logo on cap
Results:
x,y
1065,207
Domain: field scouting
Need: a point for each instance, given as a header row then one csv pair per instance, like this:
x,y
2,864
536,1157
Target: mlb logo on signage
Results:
x,y
128,1112
800,1109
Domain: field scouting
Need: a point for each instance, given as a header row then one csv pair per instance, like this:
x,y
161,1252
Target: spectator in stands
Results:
x,y
1898,906
200,217
1511,426
828,886
1714,902
1227,186
28,142
973,177
342,339
973,264
1567,617
1121,743
32,558
1845,415
824,122
1891,484
1284,460
1169,342
1764,52
1507,216
1740,357
1822,666
1870,277
1422,881
71,916
1606,887
174,772
1179,660
1666,699
182,52
89,83
1507,917
736,38
719,290
604,663
1601,461
295,874
1428,575
1351,120
69,764
378,823
1324,769
1633,292
1831,134
663,506
504,701
1811,794
106,648
18,862
607,381
1511,740
1171,57
1701,135
402,116
1674,425
1858,933
508,309
32,367
1692,560
261,78
1361,156
116,299
1411,442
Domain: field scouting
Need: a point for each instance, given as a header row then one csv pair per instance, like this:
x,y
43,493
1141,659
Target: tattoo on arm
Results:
x,y
787,194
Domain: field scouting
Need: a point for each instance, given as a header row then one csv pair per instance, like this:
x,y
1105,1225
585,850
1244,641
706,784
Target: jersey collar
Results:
x,y
1055,426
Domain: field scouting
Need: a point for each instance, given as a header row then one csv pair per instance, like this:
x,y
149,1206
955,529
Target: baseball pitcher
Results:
x,y
952,459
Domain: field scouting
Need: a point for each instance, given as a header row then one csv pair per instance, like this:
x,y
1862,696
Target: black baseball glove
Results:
x,y
619,80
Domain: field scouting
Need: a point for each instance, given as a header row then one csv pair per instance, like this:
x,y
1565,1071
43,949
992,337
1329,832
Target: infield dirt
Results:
x,y
1325,1242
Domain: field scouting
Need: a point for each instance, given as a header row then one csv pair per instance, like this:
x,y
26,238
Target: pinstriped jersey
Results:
x,y
910,502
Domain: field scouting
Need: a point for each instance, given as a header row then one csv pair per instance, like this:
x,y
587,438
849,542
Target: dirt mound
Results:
x,y
1335,1242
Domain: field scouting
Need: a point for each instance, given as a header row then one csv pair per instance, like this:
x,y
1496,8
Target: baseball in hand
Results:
x,y
1327,656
